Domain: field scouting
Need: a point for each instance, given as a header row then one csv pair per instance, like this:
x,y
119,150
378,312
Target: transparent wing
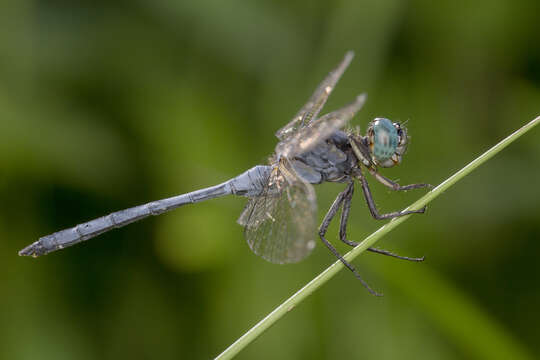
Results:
x,y
308,137
280,225
315,103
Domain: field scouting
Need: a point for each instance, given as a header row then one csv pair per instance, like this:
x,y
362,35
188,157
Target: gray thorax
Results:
x,y
332,161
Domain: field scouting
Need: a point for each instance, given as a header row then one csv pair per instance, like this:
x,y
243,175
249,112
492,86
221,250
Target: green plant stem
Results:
x,y
333,269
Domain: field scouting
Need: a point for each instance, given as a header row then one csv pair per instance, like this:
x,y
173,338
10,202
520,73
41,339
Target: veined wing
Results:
x,y
315,103
308,137
280,225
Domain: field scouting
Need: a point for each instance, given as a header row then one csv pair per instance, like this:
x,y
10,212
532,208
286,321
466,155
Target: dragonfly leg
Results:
x,y
347,199
389,253
345,216
394,185
373,209
322,232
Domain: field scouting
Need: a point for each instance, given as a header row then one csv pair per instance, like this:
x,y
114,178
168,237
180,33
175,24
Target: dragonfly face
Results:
x,y
387,142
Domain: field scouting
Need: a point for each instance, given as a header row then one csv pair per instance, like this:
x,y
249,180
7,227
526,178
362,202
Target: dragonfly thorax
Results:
x,y
386,142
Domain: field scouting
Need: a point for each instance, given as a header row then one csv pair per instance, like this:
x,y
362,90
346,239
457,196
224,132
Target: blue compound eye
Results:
x,y
384,139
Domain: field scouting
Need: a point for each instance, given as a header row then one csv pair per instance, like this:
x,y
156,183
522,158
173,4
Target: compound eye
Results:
x,y
385,139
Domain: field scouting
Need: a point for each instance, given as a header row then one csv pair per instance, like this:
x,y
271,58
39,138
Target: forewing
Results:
x,y
315,103
280,225
308,137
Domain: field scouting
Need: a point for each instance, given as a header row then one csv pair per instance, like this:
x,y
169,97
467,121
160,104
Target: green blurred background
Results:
x,y
106,105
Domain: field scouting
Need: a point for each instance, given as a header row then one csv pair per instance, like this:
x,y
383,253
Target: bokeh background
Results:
x,y
106,105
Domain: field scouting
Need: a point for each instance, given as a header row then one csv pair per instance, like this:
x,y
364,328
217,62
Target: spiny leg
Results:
x,y
394,185
347,199
322,232
373,209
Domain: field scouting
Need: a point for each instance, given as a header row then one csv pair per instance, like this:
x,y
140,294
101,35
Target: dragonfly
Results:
x,y
279,219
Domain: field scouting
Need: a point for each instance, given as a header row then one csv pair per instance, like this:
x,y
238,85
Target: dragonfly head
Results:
x,y
386,141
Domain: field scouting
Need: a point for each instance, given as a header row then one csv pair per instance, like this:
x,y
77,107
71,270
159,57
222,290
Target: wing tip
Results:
x,y
349,55
361,99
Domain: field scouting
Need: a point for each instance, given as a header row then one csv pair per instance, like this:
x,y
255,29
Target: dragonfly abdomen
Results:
x,y
250,183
